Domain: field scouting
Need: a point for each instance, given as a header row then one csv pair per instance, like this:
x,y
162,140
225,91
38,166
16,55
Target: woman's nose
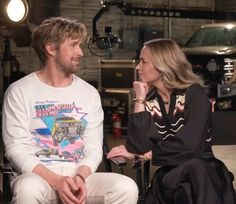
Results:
x,y
137,66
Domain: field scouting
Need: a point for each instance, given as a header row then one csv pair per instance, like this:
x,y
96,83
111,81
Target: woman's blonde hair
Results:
x,y
56,30
168,58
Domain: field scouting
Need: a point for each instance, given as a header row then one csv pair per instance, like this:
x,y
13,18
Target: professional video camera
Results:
x,y
107,41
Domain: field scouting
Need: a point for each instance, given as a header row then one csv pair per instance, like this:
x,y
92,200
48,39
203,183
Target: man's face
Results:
x,y
68,56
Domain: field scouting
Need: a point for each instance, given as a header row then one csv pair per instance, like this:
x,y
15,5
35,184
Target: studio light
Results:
x,y
17,10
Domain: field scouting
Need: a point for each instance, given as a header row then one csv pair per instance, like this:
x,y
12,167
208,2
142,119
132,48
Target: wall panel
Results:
x,y
84,11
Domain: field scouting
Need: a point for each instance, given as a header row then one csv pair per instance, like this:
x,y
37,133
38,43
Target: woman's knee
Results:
x,y
196,164
197,169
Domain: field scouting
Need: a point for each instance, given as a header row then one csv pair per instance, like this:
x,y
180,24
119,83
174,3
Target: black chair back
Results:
x,y
223,125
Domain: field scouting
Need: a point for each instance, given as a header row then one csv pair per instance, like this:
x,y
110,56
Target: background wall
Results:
x,y
83,10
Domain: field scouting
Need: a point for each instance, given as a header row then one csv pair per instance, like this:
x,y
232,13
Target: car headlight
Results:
x,y
229,69
212,66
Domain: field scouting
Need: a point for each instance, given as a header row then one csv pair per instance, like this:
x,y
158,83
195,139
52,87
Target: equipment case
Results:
x,y
116,101
117,74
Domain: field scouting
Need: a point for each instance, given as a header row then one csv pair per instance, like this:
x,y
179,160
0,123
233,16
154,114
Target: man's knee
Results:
x,y
126,190
30,187
127,186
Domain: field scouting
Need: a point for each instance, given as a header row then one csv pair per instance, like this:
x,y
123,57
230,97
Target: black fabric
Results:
x,y
189,140
193,182
180,140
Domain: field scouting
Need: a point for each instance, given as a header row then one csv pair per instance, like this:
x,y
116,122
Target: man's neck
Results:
x,y
54,78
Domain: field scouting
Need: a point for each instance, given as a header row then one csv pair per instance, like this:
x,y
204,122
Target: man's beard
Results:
x,y
68,70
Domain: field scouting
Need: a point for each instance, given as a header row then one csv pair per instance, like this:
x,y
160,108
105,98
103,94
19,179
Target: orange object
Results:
x,y
213,101
116,125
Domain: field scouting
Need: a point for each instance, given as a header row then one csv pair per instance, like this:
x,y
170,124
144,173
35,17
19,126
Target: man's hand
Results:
x,y
71,190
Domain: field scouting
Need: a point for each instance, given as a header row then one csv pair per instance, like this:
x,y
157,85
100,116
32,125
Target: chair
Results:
x,y
142,172
223,127
6,171
119,162
224,138
143,179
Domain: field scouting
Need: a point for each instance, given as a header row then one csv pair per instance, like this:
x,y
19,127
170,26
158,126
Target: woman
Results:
x,y
171,126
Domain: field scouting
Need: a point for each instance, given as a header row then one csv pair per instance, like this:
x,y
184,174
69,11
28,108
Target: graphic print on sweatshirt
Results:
x,y
61,136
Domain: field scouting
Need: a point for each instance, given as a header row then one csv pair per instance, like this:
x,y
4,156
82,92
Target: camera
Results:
x,y
107,41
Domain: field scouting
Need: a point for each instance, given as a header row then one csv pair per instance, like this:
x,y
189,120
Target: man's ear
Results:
x,y
50,48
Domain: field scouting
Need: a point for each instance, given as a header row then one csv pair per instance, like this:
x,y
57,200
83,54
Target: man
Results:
x,y
52,126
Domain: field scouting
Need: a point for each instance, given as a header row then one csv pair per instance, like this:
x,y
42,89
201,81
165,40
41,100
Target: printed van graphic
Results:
x,y
61,136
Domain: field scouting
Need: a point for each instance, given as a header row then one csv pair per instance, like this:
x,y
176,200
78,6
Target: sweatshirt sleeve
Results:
x,y
15,131
93,135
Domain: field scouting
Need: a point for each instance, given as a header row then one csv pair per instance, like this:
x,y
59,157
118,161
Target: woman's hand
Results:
x,y
148,155
120,151
140,89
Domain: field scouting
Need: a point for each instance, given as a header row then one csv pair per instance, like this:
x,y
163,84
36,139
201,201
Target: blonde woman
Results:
x,y
171,126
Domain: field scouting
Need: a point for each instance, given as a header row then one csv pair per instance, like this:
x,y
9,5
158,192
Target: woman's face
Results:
x,y
146,71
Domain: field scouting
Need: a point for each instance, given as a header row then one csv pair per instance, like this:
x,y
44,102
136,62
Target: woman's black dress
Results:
x,y
180,141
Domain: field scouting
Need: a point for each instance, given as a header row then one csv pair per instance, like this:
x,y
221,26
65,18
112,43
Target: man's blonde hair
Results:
x,y
55,30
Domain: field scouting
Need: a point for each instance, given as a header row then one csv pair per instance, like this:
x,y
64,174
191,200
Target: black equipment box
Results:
x,y
117,74
116,101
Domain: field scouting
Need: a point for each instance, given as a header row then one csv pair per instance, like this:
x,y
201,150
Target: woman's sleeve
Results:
x,y
140,128
190,140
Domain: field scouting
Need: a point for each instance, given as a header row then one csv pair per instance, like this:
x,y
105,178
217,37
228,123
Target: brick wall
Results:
x,y
84,11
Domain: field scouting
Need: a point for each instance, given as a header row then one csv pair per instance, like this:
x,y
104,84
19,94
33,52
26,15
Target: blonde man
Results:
x,y
53,127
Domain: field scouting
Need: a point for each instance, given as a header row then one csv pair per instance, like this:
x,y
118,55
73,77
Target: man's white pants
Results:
x,y
110,188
